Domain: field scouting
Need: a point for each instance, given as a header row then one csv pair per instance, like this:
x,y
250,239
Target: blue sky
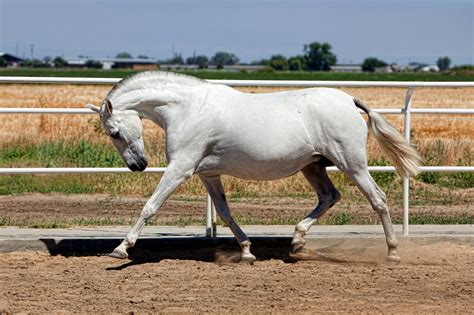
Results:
x,y
393,30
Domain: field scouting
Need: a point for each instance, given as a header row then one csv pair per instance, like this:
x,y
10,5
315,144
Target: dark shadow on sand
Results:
x,y
149,250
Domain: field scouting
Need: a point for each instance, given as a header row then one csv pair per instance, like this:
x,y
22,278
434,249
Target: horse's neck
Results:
x,y
156,103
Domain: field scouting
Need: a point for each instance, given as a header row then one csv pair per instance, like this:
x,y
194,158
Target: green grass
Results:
x,y
18,184
243,75
88,154
421,219
61,154
434,154
60,223
338,219
55,154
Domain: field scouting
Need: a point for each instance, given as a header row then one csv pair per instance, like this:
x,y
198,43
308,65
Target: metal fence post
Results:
x,y
208,216
211,225
406,179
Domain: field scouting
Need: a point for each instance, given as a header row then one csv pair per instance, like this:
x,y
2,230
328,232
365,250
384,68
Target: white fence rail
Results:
x,y
210,212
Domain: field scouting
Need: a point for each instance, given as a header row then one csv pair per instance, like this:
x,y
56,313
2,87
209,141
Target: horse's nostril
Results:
x,y
134,167
139,166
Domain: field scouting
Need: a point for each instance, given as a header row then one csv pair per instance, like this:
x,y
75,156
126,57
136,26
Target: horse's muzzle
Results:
x,y
138,166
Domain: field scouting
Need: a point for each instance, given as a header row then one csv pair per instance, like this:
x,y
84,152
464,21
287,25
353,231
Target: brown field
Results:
x,y
455,134
456,130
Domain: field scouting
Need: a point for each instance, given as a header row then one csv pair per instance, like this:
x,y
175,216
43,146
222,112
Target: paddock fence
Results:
x,y
211,229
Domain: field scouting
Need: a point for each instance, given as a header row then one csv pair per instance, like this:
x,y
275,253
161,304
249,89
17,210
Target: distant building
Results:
x,y
128,63
234,68
346,68
431,68
75,62
114,63
384,69
12,61
398,68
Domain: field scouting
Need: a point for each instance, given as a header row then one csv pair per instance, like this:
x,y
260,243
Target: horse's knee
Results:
x,y
380,206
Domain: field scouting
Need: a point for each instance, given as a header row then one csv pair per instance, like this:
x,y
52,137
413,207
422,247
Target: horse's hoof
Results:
x,y
393,259
297,247
248,259
117,253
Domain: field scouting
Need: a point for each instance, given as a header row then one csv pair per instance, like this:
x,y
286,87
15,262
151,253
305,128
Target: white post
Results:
x,y
208,216
406,179
211,221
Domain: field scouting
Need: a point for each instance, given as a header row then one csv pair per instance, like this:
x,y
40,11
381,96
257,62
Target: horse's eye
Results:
x,y
115,135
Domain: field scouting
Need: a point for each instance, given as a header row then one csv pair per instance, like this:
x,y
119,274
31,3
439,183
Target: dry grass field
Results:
x,y
455,131
441,139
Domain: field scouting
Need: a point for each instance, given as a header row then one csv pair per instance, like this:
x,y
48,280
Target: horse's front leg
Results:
x,y
174,176
215,189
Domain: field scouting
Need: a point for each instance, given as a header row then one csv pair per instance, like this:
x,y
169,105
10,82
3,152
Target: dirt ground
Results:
x,y
89,208
432,278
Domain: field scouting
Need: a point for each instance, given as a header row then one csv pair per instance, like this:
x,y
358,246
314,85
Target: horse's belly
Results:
x,y
271,145
257,166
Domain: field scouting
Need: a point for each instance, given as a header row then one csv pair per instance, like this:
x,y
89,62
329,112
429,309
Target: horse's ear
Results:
x,y
93,107
108,107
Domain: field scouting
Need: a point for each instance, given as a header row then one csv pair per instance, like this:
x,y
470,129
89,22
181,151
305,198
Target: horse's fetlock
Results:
x,y
245,244
298,239
147,212
128,242
301,229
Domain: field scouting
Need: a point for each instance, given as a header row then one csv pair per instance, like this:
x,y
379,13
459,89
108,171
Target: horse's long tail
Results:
x,y
400,152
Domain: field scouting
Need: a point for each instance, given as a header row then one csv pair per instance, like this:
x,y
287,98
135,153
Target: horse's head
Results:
x,y
125,129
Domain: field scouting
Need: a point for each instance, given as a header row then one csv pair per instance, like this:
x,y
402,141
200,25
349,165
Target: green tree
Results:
x,y
3,62
222,58
143,57
319,57
371,63
59,62
443,63
202,61
124,55
176,60
93,64
191,60
278,63
296,63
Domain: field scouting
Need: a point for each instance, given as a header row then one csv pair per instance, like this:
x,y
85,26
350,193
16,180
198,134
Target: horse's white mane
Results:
x,y
152,80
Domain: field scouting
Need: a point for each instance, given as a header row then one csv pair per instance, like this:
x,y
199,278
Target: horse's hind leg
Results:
x,y
359,173
215,189
327,196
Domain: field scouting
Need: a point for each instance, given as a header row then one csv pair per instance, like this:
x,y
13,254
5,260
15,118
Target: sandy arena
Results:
x,y
348,277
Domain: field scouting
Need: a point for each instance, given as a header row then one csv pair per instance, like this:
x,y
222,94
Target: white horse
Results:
x,y
212,129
